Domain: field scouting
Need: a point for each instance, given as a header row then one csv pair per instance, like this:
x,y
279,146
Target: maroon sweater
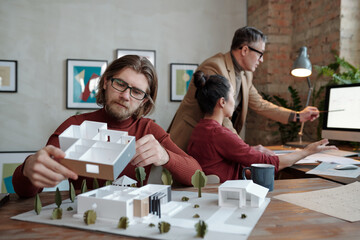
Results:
x,y
221,152
181,166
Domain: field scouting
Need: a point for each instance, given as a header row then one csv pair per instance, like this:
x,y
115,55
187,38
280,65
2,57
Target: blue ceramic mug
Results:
x,y
262,174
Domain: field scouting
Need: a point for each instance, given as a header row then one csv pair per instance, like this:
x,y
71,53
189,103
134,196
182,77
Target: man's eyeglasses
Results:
x,y
122,86
253,49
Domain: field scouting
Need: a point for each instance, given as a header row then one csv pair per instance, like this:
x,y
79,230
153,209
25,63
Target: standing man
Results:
x,y
247,50
127,91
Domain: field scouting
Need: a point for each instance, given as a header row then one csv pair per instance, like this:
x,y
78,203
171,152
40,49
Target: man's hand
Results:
x,y
309,113
149,151
44,171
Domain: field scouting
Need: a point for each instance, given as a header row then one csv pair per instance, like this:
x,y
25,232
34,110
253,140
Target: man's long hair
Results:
x,y
140,65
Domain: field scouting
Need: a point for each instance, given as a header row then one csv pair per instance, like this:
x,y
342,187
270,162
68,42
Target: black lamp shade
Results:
x,y
302,65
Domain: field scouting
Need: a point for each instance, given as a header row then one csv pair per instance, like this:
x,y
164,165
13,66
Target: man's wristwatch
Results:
x,y
297,117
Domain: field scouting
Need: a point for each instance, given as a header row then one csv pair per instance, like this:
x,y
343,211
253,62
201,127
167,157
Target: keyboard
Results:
x,y
341,153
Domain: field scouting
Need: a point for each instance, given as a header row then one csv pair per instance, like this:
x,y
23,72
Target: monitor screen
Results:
x,y
342,113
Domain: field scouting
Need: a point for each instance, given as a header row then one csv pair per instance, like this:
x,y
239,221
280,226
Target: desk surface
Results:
x,y
281,220
299,170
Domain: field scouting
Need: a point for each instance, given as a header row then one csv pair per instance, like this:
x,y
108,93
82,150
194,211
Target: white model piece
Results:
x,y
94,151
124,181
114,202
237,192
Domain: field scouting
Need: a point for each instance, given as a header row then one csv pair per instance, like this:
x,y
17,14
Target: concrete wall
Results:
x,y
42,34
350,32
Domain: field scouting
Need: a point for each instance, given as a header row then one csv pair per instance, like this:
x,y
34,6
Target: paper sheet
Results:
x,y
322,157
328,169
340,202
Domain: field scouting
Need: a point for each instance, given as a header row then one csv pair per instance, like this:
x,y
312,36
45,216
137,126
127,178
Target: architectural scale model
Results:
x,y
236,192
94,151
113,202
152,204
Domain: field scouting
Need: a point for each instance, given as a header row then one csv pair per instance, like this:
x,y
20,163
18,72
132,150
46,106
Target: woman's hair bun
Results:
x,y
199,79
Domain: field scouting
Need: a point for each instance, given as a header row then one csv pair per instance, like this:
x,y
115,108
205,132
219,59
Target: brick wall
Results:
x,y
290,25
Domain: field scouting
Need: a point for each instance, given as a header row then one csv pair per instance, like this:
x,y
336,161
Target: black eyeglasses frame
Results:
x,y
254,50
128,87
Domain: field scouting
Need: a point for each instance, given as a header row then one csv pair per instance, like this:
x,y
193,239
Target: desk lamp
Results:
x,y
302,68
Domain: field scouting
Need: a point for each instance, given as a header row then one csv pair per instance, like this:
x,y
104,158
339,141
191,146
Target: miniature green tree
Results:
x,y
108,182
38,204
89,217
164,227
199,180
184,199
123,223
57,212
166,177
196,216
140,175
95,183
201,229
83,186
72,192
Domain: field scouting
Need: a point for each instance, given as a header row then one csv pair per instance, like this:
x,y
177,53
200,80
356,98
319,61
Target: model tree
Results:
x,y
72,192
201,229
57,212
95,183
140,175
123,223
199,180
90,217
164,227
38,204
166,177
83,186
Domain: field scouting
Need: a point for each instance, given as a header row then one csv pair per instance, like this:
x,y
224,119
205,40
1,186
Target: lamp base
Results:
x,y
297,144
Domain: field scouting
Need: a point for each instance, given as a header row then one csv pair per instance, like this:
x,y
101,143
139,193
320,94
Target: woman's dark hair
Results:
x,y
209,90
246,35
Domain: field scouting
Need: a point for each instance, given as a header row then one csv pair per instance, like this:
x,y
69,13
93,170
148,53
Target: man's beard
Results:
x,y
117,112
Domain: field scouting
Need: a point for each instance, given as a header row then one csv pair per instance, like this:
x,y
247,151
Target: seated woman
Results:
x,y
220,151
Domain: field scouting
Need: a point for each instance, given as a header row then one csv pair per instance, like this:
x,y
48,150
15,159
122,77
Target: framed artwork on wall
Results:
x,y
82,80
149,54
8,76
180,76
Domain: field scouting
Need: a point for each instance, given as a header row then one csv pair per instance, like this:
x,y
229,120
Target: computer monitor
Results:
x,y
342,113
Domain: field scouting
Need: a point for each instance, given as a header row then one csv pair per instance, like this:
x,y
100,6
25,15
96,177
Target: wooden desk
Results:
x,y
281,220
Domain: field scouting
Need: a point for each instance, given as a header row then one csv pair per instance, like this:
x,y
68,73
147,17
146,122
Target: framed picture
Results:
x,y
149,54
180,76
9,161
82,80
8,76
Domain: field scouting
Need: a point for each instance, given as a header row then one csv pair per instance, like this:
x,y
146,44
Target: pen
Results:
x,y
337,110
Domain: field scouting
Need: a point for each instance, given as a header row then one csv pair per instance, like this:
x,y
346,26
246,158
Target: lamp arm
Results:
x,y
307,104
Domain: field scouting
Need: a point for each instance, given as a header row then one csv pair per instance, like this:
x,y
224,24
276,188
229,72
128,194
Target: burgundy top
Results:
x,y
181,166
221,152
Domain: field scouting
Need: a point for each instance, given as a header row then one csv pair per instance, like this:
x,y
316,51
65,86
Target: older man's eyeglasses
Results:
x,y
254,50
122,86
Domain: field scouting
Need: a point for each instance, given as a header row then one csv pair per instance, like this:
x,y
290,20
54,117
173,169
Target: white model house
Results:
x,y
94,151
237,192
113,202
